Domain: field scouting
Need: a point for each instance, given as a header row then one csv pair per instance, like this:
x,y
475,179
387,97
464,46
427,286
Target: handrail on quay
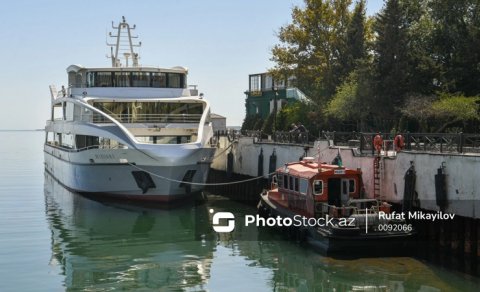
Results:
x,y
422,142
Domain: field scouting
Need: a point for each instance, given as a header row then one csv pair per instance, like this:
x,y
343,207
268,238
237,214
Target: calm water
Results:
x,y
53,240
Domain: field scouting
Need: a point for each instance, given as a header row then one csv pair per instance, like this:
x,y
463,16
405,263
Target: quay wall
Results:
x,y
462,171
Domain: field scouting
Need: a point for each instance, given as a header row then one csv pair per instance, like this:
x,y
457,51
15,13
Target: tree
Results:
x,y
451,109
456,43
355,38
391,57
442,111
353,99
253,122
312,48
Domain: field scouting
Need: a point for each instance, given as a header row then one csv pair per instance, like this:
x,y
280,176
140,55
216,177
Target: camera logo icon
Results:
x,y
223,215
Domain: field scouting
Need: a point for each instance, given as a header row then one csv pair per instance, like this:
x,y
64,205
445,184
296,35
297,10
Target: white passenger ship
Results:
x,y
129,131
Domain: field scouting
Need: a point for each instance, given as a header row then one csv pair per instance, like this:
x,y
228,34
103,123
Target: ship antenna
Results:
x,y
122,46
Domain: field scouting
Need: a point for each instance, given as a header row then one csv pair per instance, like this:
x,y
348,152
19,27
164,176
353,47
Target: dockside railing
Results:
x,y
425,142
422,142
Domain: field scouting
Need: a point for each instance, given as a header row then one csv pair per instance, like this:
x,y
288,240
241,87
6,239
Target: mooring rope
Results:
x,y
223,151
197,184
205,184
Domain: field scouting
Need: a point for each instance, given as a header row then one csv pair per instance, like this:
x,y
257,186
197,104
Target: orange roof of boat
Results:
x,y
307,168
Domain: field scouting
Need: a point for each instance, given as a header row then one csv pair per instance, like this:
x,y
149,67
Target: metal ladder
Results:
x,y
377,170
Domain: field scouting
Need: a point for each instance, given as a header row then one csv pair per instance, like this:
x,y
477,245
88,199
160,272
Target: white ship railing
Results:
x,y
150,118
98,146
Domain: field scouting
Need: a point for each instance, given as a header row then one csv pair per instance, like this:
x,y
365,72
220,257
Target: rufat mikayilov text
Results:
x,y
416,215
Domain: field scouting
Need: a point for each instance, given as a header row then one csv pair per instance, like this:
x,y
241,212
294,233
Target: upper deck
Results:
x,y
128,82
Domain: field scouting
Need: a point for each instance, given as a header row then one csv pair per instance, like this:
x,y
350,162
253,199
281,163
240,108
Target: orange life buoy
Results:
x,y
377,142
399,142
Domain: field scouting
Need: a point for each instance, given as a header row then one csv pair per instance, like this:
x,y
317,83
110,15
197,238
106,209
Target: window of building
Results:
x,y
268,82
255,82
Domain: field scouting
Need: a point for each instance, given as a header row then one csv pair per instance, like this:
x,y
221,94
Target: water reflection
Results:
x,y
296,267
99,246
102,246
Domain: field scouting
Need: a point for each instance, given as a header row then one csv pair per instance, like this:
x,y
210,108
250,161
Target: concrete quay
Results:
x,y
461,176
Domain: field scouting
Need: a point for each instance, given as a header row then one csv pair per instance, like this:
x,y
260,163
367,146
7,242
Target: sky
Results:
x,y
220,42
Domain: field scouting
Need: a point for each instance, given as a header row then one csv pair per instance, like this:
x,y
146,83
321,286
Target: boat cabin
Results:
x,y
306,186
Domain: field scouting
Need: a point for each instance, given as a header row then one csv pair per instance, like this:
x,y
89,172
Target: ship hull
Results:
x,y
133,177
341,241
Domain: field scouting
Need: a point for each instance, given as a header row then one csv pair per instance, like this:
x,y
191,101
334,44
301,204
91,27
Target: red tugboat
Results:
x,y
325,206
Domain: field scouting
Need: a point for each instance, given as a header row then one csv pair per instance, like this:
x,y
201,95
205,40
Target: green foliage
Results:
x,y
456,43
268,126
313,47
298,112
343,106
415,62
437,113
456,107
253,122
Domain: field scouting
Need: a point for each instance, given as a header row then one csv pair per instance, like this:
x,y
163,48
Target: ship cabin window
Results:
x,y
296,184
173,80
68,141
280,180
140,79
136,79
285,181
164,139
344,187
159,79
85,141
317,187
290,183
303,186
102,79
121,79
152,112
49,138
351,186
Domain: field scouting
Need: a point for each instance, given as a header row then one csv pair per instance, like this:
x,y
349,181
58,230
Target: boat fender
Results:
x,y
409,195
273,162
441,188
260,163
229,164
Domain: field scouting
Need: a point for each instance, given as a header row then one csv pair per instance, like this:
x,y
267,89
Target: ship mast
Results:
x,y
123,44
